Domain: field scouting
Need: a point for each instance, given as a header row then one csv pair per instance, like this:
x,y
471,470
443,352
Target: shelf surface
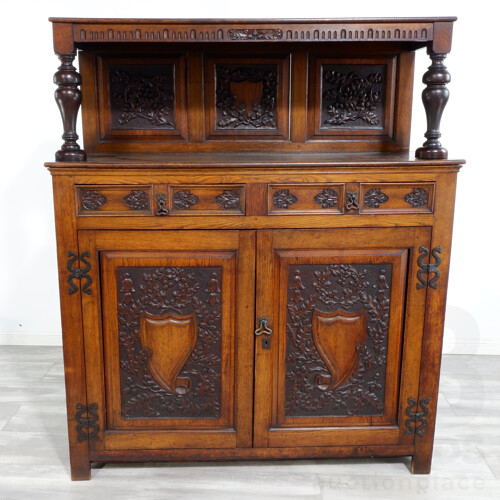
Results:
x,y
259,160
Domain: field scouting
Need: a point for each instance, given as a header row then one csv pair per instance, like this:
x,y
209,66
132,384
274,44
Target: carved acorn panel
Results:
x,y
207,199
142,96
352,95
352,98
398,197
114,200
294,199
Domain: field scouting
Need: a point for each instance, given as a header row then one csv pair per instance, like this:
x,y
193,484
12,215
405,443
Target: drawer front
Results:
x,y
399,197
296,199
114,200
193,199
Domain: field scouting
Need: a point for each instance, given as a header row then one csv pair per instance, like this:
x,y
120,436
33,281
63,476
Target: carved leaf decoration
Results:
x,y
92,200
337,336
327,198
137,200
419,197
283,198
229,200
374,198
170,339
255,34
183,200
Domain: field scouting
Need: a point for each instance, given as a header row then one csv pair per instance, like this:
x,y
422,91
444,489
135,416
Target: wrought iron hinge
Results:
x,y
428,268
77,273
87,428
414,418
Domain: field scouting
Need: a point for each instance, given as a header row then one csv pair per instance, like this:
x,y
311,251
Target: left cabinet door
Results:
x,y
169,338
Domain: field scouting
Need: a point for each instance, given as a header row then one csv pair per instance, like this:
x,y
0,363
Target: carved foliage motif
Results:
x,y
137,200
92,200
419,197
352,93
229,200
234,114
184,200
170,293
255,34
374,198
328,198
142,95
356,293
283,198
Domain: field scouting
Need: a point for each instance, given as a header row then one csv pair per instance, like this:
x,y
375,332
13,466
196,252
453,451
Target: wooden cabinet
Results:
x,y
251,264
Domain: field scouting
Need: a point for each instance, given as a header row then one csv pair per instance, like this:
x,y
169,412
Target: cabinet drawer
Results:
x,y
114,200
196,199
397,197
295,199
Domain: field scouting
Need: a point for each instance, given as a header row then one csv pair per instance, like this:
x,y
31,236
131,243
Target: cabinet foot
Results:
x,y
421,465
80,471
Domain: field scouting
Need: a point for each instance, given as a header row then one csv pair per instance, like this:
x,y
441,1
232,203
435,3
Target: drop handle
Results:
x,y
264,329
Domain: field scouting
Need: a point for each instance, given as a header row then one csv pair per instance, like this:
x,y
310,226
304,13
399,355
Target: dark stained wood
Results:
x,y
243,253
68,98
434,96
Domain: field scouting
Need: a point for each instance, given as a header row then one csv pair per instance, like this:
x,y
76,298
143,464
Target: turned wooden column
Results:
x,y
68,98
434,96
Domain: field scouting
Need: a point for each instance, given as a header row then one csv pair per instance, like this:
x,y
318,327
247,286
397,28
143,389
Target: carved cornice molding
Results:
x,y
314,31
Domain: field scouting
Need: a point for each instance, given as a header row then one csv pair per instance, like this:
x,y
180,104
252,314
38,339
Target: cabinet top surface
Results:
x,y
355,20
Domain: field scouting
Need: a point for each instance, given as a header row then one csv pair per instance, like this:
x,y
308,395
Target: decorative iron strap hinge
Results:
x,y
414,418
87,428
428,268
77,273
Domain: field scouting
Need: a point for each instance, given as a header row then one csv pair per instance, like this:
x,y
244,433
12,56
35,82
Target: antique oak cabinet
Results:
x,y
252,265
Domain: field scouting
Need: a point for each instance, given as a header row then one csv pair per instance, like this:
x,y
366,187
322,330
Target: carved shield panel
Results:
x,y
170,339
336,336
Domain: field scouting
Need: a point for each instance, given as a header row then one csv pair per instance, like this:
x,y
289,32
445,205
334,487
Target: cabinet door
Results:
x,y
347,321
163,361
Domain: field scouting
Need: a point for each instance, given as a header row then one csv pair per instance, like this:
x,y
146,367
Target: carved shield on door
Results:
x,y
336,336
170,339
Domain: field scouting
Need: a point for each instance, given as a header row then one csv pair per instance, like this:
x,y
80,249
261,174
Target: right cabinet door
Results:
x,y
347,320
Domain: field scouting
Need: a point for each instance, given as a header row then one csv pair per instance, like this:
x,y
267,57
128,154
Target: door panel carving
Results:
x,y
170,341
336,339
336,336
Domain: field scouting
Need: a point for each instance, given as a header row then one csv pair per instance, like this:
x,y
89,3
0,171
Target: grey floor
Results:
x,y
34,455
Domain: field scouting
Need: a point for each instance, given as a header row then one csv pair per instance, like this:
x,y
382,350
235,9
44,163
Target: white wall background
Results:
x,y
31,129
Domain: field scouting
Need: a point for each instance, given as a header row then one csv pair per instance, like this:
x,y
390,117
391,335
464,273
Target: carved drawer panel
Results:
x,y
114,200
207,199
296,199
396,197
